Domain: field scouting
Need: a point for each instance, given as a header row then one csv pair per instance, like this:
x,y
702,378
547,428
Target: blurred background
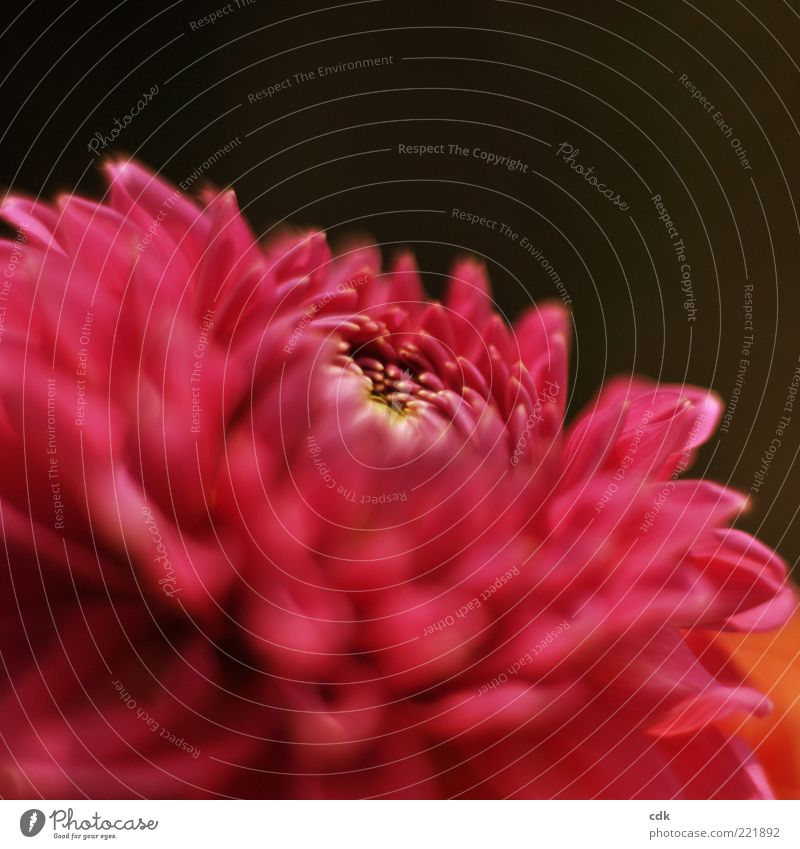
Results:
x,y
686,114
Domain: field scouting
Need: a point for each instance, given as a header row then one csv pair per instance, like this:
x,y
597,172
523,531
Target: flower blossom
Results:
x,y
278,524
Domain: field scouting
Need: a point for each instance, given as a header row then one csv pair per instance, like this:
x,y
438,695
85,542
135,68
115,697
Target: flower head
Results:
x,y
278,524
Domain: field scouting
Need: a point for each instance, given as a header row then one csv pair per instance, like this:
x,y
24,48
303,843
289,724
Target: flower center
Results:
x,y
390,385
408,374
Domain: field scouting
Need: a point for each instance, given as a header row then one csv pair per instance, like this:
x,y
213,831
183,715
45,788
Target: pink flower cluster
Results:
x,y
276,524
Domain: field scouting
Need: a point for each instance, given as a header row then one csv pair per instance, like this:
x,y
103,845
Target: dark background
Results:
x,y
512,78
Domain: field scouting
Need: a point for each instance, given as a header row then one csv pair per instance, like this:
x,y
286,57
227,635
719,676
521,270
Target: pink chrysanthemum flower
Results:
x,y
276,524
